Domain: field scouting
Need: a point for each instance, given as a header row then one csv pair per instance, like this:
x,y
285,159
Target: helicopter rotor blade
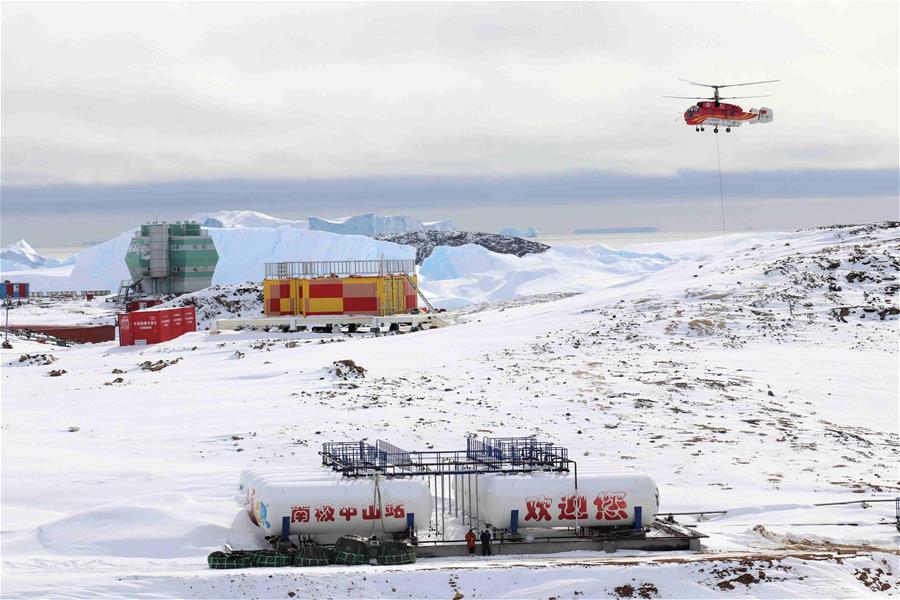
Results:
x,y
688,97
700,84
741,97
749,83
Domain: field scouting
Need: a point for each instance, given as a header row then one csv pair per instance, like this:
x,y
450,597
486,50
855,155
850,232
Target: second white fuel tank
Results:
x,y
550,500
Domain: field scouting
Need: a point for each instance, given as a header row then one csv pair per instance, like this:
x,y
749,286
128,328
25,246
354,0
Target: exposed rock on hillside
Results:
x,y
426,241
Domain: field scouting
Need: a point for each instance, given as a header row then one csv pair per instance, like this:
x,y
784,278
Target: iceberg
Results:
x,y
21,256
230,219
372,224
243,252
531,232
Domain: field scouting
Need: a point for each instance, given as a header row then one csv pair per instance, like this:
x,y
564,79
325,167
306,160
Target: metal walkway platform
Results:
x,y
487,455
334,323
661,537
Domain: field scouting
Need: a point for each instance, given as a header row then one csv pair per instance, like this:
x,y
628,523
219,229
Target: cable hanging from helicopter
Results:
x,y
712,111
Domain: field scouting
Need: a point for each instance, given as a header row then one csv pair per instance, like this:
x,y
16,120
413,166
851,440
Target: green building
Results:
x,y
171,258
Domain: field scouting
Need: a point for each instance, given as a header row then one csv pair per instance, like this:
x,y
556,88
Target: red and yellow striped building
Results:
x,y
340,288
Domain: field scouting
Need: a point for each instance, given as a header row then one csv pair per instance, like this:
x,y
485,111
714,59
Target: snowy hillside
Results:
x,y
244,218
453,277
21,255
372,224
761,381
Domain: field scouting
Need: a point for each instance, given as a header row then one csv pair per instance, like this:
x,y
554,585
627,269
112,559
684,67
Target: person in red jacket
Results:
x,y
470,541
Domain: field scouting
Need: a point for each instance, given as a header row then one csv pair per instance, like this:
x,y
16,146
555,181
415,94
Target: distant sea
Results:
x,y
59,251
621,240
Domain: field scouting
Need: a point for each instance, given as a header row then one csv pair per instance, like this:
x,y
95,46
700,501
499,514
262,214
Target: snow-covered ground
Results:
x,y
453,277
761,380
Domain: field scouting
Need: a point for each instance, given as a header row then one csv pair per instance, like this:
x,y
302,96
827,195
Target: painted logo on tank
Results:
x,y
263,515
607,506
538,509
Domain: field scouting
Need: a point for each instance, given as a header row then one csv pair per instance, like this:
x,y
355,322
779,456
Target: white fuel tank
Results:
x,y
326,506
548,500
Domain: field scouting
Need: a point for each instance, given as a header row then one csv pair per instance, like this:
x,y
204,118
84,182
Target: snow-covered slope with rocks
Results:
x,y
245,218
426,241
221,301
373,225
20,255
729,377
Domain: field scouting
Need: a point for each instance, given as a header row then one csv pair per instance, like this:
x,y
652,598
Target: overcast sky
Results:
x,y
133,95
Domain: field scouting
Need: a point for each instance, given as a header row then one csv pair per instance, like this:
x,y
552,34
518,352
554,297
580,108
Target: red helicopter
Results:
x,y
711,111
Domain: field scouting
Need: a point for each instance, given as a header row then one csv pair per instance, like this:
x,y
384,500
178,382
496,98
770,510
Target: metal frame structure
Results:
x,y
335,323
450,469
487,455
339,268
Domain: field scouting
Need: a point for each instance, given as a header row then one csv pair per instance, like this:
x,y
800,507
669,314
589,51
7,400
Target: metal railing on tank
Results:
x,y
339,268
350,457
528,451
389,454
487,455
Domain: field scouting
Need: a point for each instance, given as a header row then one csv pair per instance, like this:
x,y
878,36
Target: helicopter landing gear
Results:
x,y
703,129
716,130
728,130
696,129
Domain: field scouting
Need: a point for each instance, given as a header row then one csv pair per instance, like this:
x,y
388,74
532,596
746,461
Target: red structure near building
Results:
x,y
155,326
81,334
133,305
14,291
